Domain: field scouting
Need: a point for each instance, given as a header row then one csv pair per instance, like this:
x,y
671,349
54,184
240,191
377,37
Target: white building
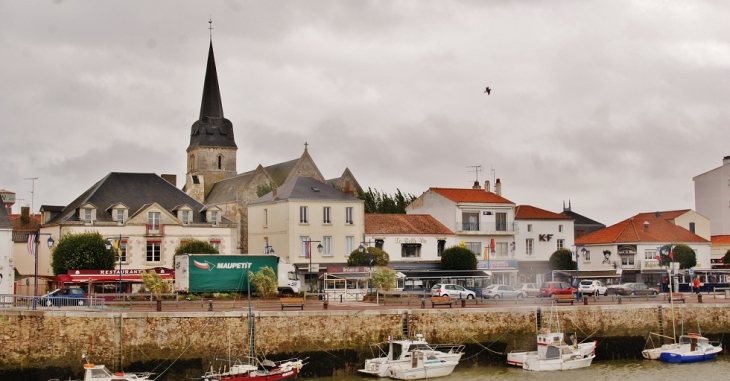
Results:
x,y
6,253
483,220
712,197
146,215
540,234
305,210
411,240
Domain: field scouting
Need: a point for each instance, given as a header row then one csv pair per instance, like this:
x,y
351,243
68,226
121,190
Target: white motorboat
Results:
x,y
400,351
424,364
691,348
94,372
517,357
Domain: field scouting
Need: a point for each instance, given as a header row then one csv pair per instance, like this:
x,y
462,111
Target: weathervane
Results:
x,y
210,27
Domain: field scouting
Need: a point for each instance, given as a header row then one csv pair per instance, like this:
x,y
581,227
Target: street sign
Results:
x,y
691,271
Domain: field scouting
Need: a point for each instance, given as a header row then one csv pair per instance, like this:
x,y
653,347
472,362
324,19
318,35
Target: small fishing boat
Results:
x,y
424,364
94,372
691,348
255,370
400,351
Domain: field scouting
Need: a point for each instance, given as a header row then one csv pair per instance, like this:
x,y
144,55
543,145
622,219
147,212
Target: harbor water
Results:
x,y
621,370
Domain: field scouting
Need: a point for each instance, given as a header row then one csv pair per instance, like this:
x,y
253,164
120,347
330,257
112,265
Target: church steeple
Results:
x,y
212,150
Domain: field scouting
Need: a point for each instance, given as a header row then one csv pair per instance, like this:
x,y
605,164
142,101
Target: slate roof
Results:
x,y
306,188
225,190
404,224
136,190
580,219
471,195
528,212
632,231
4,220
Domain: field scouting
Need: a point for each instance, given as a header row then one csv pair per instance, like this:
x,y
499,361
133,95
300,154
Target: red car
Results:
x,y
548,289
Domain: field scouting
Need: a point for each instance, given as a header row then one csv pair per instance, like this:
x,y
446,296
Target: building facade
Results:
x,y
6,254
712,197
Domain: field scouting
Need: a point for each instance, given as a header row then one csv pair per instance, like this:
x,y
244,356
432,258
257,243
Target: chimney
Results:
x,y
646,226
657,214
172,179
25,214
476,185
274,192
498,187
487,187
726,160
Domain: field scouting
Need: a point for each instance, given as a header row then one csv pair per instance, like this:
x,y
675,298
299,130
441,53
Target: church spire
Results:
x,y
211,106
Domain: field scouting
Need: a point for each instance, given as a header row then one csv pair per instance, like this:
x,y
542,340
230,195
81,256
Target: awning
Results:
x,y
438,274
128,275
587,274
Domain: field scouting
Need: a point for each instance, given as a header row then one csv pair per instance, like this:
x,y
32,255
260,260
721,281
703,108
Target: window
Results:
x,y
302,214
220,161
500,249
87,216
266,219
348,244
650,254
304,241
529,228
587,255
185,217
123,251
441,245
379,244
470,221
214,218
410,250
475,247
326,215
627,261
153,251
561,243
692,227
529,243
216,243
501,221
120,216
327,243
348,215
153,219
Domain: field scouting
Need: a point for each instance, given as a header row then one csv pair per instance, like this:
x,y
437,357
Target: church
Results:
x,y
212,177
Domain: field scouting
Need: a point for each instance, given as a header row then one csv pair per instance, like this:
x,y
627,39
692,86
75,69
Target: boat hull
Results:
x,y
437,369
380,367
534,363
688,357
254,376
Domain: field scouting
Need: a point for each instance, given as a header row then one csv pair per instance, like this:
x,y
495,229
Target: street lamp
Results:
x,y
33,240
269,249
309,255
577,253
361,249
108,245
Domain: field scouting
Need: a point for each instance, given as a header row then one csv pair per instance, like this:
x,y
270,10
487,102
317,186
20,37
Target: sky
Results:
x,y
613,106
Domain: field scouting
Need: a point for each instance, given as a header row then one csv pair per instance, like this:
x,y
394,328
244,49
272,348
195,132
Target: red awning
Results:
x,y
128,275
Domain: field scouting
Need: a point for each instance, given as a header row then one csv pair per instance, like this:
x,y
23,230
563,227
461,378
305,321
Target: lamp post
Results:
x,y
361,249
269,249
577,266
309,254
108,245
35,239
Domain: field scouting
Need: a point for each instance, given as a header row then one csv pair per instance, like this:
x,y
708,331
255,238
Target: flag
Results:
x,y
31,244
486,254
658,258
306,250
671,255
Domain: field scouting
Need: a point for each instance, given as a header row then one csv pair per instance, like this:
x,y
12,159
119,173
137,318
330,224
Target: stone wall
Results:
x,y
58,338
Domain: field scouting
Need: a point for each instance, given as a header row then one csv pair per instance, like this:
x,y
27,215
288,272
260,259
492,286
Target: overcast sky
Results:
x,y
614,105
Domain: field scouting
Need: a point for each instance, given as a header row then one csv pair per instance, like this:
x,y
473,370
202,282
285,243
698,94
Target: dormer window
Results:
x,y
185,217
214,218
87,216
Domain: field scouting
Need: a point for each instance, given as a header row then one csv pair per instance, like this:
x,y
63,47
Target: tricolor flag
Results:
x,y
671,256
31,244
307,249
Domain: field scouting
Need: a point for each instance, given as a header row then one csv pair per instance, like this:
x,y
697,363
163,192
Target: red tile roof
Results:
x,y
720,239
471,195
404,224
632,230
528,212
665,215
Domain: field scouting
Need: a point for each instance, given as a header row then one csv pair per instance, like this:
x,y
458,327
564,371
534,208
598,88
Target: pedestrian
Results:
x,y
696,285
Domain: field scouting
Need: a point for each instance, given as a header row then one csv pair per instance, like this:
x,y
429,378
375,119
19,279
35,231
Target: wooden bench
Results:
x,y
441,301
564,298
292,302
675,297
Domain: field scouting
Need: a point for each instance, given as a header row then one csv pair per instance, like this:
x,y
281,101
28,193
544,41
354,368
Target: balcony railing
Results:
x,y
155,229
486,227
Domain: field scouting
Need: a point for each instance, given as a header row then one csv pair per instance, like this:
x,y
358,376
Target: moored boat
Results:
x,y
256,370
93,372
424,364
546,338
691,348
400,351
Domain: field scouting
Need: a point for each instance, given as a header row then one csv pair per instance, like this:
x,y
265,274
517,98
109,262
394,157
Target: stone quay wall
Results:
x,y
58,338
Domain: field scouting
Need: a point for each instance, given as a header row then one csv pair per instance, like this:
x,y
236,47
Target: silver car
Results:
x,y
531,289
497,291
453,290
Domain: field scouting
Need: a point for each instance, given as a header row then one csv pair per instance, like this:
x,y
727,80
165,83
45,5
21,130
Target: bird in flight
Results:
x,y
488,90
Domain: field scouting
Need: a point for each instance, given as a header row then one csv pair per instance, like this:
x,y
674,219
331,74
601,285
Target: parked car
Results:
x,y
452,290
66,296
592,287
635,289
548,289
497,291
531,289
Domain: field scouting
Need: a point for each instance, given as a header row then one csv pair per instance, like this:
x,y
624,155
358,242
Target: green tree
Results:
x,y
377,202
726,258
380,257
562,259
195,246
264,282
82,251
458,258
154,284
264,189
384,278
681,253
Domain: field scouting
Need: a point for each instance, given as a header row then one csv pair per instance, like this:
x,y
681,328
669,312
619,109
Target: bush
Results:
x,y
458,258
